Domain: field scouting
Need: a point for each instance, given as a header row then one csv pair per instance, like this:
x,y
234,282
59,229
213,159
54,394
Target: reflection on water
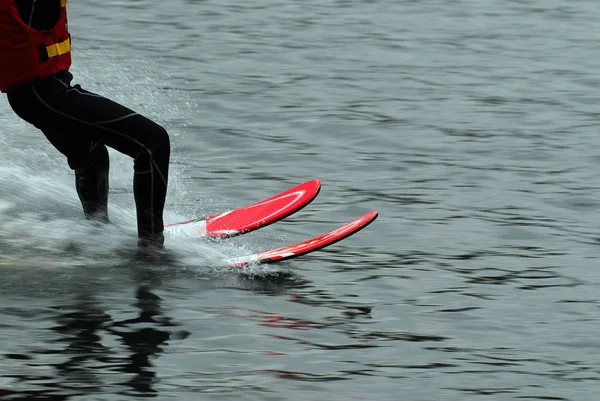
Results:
x,y
86,349
93,347
95,341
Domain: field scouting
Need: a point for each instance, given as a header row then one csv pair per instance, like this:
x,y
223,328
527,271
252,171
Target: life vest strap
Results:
x,y
57,49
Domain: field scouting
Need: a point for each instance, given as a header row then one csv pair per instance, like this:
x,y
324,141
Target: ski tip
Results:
x,y
372,215
363,221
315,183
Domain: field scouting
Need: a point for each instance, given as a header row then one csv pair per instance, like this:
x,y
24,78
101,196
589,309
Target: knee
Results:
x,y
161,143
99,156
96,159
154,145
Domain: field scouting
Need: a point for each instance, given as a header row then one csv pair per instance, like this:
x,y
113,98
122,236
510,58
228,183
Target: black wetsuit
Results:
x,y
80,124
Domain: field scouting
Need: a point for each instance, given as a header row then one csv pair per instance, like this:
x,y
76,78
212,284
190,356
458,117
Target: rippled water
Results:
x,y
470,125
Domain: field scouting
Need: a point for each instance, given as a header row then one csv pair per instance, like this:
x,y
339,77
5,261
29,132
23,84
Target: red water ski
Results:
x,y
249,218
302,248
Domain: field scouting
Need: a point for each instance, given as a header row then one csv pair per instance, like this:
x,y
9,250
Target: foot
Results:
x,y
151,253
151,248
101,216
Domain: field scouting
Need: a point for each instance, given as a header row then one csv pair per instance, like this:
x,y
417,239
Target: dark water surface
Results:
x,y
472,126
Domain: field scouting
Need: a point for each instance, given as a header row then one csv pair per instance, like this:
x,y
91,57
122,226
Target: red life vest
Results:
x,y
27,54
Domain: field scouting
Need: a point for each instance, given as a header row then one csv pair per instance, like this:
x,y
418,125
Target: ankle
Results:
x,y
155,240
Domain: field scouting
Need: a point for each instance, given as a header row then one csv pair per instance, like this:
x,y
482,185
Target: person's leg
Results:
x,y
91,182
77,122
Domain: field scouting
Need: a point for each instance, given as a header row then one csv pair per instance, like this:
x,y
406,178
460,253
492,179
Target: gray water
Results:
x,y
470,125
